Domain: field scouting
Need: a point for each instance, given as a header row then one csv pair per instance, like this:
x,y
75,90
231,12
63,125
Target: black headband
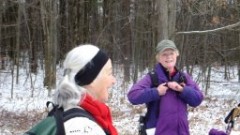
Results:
x,y
90,71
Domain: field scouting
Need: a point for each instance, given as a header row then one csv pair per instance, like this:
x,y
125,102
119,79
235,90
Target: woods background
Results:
x,y
36,34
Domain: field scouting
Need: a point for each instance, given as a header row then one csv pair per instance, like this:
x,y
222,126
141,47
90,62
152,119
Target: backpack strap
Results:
x,y
59,121
57,113
54,108
154,78
61,117
76,112
182,78
143,118
155,82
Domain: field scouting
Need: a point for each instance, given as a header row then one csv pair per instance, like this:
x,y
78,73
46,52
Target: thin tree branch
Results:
x,y
209,31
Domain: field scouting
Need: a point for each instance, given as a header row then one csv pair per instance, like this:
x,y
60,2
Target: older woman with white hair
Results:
x,y
167,102
87,78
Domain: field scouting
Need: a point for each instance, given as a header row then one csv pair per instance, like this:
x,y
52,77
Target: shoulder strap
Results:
x,y
182,77
77,112
155,83
58,115
54,108
61,117
154,78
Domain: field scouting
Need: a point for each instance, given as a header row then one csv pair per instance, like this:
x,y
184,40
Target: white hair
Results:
x,y
68,93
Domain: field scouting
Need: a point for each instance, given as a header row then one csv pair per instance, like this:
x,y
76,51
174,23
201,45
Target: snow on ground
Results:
x,y
19,113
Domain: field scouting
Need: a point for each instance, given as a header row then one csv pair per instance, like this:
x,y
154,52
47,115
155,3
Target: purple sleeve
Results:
x,y
216,132
191,94
141,92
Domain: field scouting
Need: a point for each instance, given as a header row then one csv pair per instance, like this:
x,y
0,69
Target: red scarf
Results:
x,y
173,72
100,112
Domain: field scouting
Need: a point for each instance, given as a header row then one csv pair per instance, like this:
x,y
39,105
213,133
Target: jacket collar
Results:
x,y
163,71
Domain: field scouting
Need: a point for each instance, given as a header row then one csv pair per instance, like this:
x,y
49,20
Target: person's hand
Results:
x,y
162,89
175,86
182,84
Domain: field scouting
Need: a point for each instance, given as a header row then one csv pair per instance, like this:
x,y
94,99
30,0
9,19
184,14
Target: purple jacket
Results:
x,y
172,108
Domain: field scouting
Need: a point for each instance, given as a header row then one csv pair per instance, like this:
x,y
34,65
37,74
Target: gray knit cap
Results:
x,y
166,44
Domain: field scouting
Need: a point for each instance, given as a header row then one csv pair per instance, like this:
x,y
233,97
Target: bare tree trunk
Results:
x,y
225,61
239,60
205,64
64,36
86,21
34,30
106,11
1,42
167,18
172,18
126,38
20,7
186,21
50,32
29,39
12,85
43,9
208,80
54,43
239,71
94,21
163,19
136,42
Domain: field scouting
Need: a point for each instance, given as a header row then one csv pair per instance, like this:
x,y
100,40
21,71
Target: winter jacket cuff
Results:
x,y
191,96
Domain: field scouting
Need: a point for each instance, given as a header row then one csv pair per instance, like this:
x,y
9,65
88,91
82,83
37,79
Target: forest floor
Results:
x,y
210,114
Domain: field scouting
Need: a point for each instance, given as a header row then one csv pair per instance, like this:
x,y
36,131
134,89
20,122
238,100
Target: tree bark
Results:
x,y
50,32
239,60
20,7
167,19
1,42
126,38
86,21
52,46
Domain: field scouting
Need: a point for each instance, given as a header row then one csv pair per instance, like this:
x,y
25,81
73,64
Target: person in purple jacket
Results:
x,y
167,103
